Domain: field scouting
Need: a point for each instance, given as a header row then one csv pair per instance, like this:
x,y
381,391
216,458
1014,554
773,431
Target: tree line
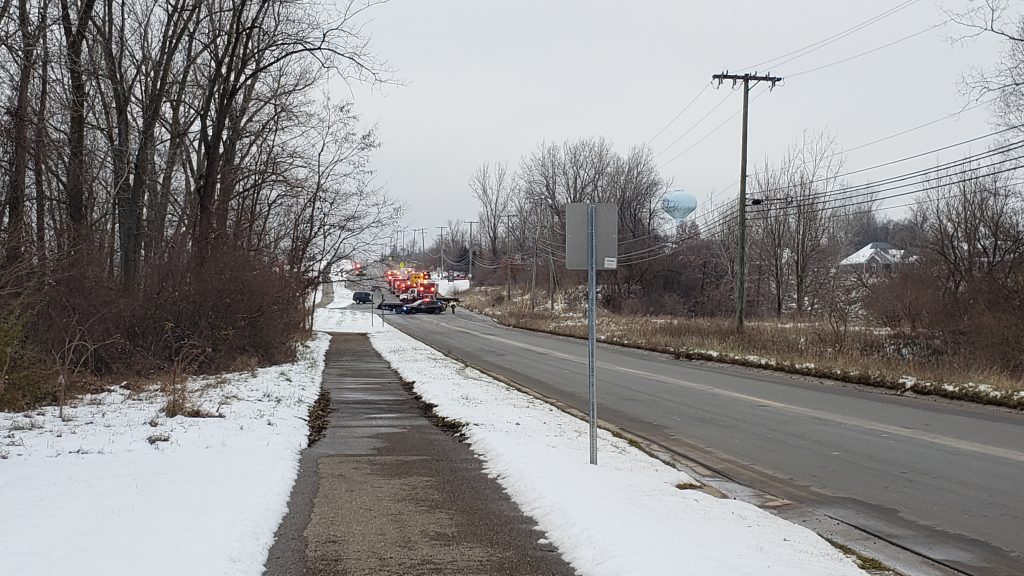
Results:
x,y
956,286
175,179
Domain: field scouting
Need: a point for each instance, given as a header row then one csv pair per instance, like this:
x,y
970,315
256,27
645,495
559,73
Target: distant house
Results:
x,y
876,257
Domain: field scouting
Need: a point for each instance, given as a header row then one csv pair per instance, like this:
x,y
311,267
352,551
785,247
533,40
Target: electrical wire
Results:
x,y
844,204
990,152
875,209
868,144
941,172
713,130
815,46
681,112
672,245
695,125
867,52
821,206
915,202
680,241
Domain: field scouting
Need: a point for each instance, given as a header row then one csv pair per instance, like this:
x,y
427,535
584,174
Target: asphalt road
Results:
x,y
943,479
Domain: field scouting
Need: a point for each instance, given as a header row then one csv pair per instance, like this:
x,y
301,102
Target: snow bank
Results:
x,y
625,516
116,488
342,296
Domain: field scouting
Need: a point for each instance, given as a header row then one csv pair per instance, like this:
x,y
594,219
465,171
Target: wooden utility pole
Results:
x,y
423,238
508,258
470,274
423,242
551,282
741,265
441,228
533,275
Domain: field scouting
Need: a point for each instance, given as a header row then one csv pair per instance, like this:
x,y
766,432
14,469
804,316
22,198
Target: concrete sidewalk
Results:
x,y
388,492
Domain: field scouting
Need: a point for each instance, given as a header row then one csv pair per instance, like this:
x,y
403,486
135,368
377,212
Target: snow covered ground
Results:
x,y
118,488
625,516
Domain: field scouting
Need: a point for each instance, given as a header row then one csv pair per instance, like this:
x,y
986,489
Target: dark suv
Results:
x,y
362,297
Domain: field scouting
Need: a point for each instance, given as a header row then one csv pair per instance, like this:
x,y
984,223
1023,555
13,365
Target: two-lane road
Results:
x,y
943,479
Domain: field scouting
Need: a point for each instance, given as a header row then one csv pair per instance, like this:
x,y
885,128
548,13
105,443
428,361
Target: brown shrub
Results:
x,y
236,311
864,354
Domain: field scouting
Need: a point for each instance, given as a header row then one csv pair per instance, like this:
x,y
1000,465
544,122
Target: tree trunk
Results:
x,y
16,236
40,138
75,38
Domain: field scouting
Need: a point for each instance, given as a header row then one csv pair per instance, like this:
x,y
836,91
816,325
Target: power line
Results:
x,y
905,159
694,125
941,172
875,209
708,135
681,245
914,202
867,52
815,46
872,195
836,214
681,112
722,219
868,198
873,142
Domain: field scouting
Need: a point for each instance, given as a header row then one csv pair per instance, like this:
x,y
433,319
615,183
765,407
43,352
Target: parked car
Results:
x,y
362,297
423,307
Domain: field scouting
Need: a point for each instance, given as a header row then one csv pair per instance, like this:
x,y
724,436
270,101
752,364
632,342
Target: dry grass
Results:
x,y
319,417
861,355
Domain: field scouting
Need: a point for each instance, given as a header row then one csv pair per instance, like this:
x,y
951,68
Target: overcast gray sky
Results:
x,y
489,81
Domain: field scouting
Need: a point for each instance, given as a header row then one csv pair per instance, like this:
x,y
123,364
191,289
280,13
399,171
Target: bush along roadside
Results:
x,y
900,384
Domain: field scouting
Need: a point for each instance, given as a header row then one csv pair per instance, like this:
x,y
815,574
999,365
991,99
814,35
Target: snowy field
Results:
x,y
627,515
118,488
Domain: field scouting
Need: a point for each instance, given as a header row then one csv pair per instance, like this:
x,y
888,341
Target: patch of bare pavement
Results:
x,y
388,492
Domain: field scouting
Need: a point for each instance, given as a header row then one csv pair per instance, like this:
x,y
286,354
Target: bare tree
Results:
x,y
974,229
772,233
1005,79
492,187
16,226
151,135
75,22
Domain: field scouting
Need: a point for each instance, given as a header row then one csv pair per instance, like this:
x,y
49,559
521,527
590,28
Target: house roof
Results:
x,y
881,252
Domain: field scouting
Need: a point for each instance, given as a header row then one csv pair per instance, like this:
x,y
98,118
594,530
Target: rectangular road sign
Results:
x,y
606,231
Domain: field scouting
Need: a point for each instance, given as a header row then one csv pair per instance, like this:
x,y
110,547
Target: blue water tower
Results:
x,y
678,204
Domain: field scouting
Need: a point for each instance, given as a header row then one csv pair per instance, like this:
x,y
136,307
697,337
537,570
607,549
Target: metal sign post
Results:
x,y
591,329
591,243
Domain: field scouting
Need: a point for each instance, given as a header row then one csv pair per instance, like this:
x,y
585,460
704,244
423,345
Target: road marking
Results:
x,y
828,416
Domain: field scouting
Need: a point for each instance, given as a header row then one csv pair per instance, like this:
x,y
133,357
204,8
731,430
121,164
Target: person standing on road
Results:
x,y
452,305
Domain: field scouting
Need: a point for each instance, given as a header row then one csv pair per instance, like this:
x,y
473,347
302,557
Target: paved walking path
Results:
x,y
386,492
